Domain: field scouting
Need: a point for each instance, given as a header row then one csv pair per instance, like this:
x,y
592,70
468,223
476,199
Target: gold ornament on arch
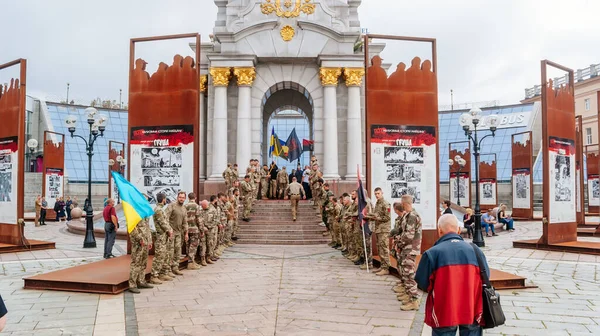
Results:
x,y
286,11
330,76
353,76
287,33
220,76
245,76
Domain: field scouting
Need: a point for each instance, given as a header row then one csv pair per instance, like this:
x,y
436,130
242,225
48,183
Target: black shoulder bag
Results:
x,y
492,311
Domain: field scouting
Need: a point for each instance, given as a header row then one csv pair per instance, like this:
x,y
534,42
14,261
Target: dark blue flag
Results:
x,y
362,207
294,146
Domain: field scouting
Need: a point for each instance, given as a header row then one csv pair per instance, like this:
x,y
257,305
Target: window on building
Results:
x,y
588,135
587,104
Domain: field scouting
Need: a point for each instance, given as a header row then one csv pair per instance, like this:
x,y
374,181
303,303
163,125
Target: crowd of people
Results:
x,y
62,208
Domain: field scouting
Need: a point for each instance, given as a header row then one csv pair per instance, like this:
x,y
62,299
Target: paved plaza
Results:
x,y
288,290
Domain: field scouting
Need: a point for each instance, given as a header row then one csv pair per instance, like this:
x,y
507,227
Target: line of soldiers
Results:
x,y
205,229
346,230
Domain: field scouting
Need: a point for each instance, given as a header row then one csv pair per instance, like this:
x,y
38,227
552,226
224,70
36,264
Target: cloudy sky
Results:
x,y
487,50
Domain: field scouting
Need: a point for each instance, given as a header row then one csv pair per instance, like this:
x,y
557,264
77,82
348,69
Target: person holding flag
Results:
x,y
136,209
382,218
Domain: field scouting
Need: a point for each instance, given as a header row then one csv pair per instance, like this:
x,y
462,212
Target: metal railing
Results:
x,y
580,75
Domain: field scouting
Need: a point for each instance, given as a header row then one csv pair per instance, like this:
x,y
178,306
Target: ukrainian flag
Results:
x,y
135,205
275,148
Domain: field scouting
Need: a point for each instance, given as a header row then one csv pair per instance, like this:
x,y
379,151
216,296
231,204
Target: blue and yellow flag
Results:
x,y
135,205
275,149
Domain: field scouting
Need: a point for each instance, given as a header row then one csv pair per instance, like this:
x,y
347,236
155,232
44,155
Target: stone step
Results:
x,y
274,229
299,226
283,221
283,242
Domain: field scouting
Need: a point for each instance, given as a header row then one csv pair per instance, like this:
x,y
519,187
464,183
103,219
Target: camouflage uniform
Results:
x,y
325,194
342,225
222,223
229,227
264,185
282,181
367,239
160,264
410,247
257,177
350,225
246,191
235,223
203,233
211,221
235,174
139,254
381,217
330,211
337,227
177,217
193,215
228,176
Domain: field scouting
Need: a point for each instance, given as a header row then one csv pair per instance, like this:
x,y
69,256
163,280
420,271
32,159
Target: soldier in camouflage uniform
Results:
x,y
337,226
382,219
313,178
141,242
160,263
235,201
246,197
257,177
409,247
177,216
228,176
203,232
264,184
282,182
193,220
230,212
325,196
330,210
212,219
367,240
340,218
356,232
235,172
222,224
350,222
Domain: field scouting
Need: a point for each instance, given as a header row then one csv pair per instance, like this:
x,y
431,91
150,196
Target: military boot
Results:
x,y
383,271
144,285
193,266
209,260
176,271
134,290
355,259
155,281
359,261
399,289
164,277
403,297
411,305
203,261
171,275
364,266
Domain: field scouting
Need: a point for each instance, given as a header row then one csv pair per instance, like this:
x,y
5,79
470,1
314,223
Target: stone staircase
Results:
x,y
271,224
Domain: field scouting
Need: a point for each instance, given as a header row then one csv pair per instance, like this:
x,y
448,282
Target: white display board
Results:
x,y
404,161
54,186
162,160
460,188
593,184
9,168
521,185
488,191
562,173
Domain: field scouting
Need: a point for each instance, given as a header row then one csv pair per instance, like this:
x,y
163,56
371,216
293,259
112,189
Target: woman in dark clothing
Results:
x,y
469,220
68,205
61,210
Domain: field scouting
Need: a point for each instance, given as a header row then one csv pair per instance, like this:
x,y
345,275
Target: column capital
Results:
x,y
330,76
245,76
203,81
220,76
353,76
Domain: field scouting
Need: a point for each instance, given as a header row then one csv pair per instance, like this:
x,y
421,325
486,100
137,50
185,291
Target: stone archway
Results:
x,y
285,96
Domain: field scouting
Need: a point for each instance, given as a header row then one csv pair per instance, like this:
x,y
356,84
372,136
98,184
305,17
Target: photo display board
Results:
x,y
115,149
54,185
9,168
593,183
561,153
522,179
460,177
53,173
579,178
488,187
161,160
407,96
403,161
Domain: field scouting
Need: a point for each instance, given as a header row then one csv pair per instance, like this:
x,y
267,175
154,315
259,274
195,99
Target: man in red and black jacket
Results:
x,y
449,272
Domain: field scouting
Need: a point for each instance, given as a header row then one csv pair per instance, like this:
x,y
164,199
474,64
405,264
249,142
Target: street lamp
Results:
x,y
461,164
469,122
32,145
97,124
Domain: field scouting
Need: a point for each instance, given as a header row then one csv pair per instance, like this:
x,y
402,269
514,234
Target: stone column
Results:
x,y
353,77
329,80
245,78
220,78
202,128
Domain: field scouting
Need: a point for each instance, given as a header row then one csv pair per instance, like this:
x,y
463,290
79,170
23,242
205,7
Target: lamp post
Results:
x,y
469,122
97,125
461,164
32,145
